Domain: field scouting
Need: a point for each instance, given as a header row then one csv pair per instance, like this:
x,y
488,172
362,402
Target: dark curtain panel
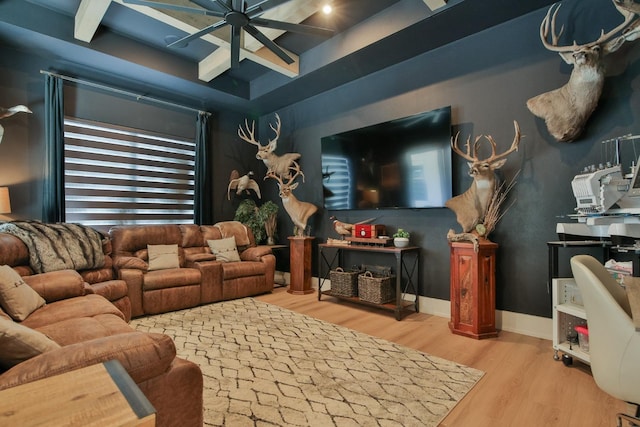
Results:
x,y
202,198
53,198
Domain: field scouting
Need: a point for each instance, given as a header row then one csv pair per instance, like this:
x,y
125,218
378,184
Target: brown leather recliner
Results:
x,y
253,275
200,278
157,291
91,330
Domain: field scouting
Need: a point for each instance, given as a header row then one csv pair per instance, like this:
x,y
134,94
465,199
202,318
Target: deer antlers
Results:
x,y
248,134
276,129
250,138
290,178
474,158
625,7
278,164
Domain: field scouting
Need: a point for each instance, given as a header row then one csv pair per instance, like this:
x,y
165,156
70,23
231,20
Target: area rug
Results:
x,y
268,366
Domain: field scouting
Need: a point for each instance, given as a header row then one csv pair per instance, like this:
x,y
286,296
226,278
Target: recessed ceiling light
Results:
x,y
327,9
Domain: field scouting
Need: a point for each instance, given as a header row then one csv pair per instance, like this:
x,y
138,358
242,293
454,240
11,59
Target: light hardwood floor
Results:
x,y
522,386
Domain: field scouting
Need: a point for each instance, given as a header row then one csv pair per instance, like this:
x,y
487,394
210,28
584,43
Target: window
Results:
x,y
116,175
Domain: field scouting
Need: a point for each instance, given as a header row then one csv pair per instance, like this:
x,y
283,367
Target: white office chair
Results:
x,y
614,344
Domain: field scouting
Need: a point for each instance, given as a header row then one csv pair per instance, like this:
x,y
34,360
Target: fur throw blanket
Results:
x,y
59,246
237,230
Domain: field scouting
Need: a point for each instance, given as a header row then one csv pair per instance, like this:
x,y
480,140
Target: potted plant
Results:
x,y
401,238
268,215
261,220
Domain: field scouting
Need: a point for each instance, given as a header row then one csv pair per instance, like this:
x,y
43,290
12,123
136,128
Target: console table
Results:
x,y
407,270
98,395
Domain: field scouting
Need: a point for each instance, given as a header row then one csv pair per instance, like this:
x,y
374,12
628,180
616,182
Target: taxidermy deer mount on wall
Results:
x,y
471,206
280,168
299,211
566,110
277,164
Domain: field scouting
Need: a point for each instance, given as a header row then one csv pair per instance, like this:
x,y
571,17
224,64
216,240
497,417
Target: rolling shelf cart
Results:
x,y
567,308
568,312
566,302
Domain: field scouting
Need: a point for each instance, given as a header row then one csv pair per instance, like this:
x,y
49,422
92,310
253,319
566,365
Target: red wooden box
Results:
x,y
368,230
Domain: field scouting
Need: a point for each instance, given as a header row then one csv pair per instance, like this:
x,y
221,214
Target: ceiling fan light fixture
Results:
x,y
240,17
236,18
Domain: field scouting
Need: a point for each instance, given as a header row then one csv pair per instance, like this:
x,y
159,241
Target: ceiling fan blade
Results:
x,y
206,30
235,46
237,5
294,28
208,4
224,5
167,6
268,43
256,9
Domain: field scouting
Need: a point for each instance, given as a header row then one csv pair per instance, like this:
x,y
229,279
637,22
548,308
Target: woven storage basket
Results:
x,y
344,283
378,290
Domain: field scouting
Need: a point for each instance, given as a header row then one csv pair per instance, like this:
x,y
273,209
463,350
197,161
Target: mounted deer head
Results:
x,y
471,206
277,164
567,109
298,211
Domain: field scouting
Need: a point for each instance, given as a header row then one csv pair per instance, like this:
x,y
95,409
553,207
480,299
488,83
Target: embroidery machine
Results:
x,y
607,200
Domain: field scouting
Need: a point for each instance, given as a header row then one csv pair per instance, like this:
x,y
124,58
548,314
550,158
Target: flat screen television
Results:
x,y
402,163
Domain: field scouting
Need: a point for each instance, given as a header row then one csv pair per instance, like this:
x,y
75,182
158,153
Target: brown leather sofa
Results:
x,y
200,277
101,281
89,329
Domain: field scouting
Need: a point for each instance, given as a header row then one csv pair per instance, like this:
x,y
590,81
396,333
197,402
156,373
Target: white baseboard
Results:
x,y
525,324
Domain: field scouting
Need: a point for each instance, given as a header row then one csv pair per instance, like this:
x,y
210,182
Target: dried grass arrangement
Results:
x,y
270,224
495,211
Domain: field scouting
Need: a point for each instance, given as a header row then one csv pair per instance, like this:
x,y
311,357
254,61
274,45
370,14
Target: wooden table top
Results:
x,y
98,395
632,286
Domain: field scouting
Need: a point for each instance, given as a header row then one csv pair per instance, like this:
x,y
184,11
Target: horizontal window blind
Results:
x,y
115,175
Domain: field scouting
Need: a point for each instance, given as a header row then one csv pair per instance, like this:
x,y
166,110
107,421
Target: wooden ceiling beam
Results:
x,y
435,4
215,64
88,18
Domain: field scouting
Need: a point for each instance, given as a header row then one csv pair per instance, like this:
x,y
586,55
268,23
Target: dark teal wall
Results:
x,y
22,151
486,78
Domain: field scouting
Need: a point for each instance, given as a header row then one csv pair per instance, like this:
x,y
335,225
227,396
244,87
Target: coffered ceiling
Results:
x,y
126,44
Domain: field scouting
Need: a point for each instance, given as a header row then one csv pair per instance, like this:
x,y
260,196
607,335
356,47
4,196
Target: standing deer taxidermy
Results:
x,y
279,165
566,110
471,206
298,211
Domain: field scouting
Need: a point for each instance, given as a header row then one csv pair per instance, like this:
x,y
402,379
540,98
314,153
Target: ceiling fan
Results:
x,y
240,16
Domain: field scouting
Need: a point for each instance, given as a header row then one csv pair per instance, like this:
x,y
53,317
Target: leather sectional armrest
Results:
x,y
57,285
200,258
143,355
255,253
131,262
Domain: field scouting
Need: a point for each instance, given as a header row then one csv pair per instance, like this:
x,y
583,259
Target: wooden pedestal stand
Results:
x,y
473,290
300,265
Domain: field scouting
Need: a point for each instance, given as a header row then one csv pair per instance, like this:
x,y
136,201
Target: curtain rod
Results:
x,y
122,92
